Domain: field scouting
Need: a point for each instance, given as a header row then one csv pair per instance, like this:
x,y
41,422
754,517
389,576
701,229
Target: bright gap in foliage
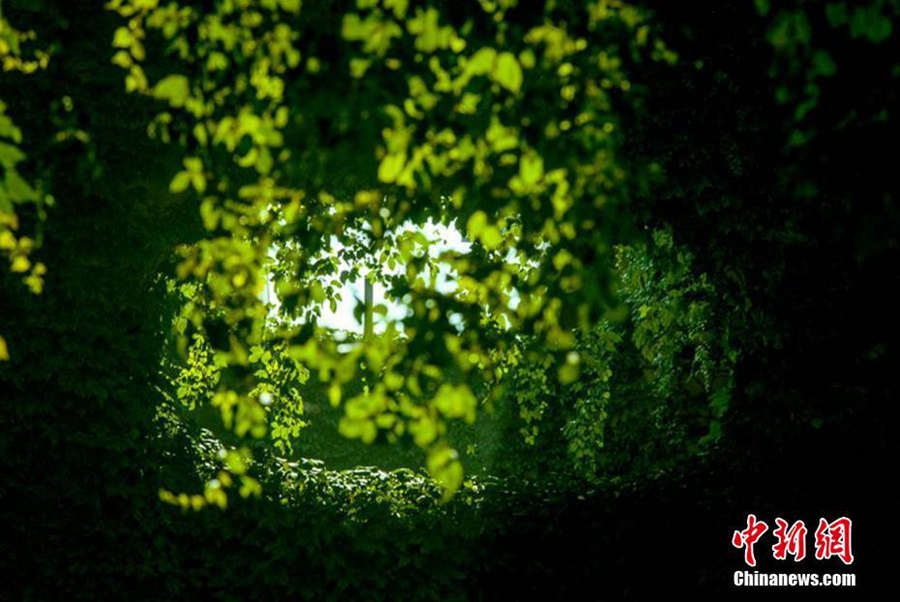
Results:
x,y
345,316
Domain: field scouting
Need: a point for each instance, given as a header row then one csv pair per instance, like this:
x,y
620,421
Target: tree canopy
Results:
x,y
432,117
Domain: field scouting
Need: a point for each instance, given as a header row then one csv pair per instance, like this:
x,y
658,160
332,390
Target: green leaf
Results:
x,y
823,64
358,428
10,155
491,238
334,394
476,224
456,402
173,88
507,72
837,14
8,129
531,168
200,134
180,182
317,292
18,189
719,401
290,6
444,466
391,167
122,38
568,373
481,62
867,21
424,431
250,486
122,59
198,181
353,28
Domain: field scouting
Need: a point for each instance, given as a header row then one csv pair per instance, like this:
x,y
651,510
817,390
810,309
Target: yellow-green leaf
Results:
x,y
19,263
290,6
391,167
531,168
476,224
481,61
568,373
507,72
173,88
180,182
122,38
200,134
491,238
444,465
250,486
334,394
317,292
456,402
424,431
122,59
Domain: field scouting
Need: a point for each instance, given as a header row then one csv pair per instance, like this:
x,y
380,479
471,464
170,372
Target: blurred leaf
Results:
x,y
173,88
507,72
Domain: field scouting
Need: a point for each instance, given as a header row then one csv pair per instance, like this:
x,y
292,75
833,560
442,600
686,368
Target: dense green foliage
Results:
x,y
682,218
453,139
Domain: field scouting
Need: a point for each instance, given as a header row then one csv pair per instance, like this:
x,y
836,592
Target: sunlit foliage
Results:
x,y
422,112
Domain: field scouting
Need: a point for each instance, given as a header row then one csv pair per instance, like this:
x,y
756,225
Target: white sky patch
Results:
x,y
444,238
